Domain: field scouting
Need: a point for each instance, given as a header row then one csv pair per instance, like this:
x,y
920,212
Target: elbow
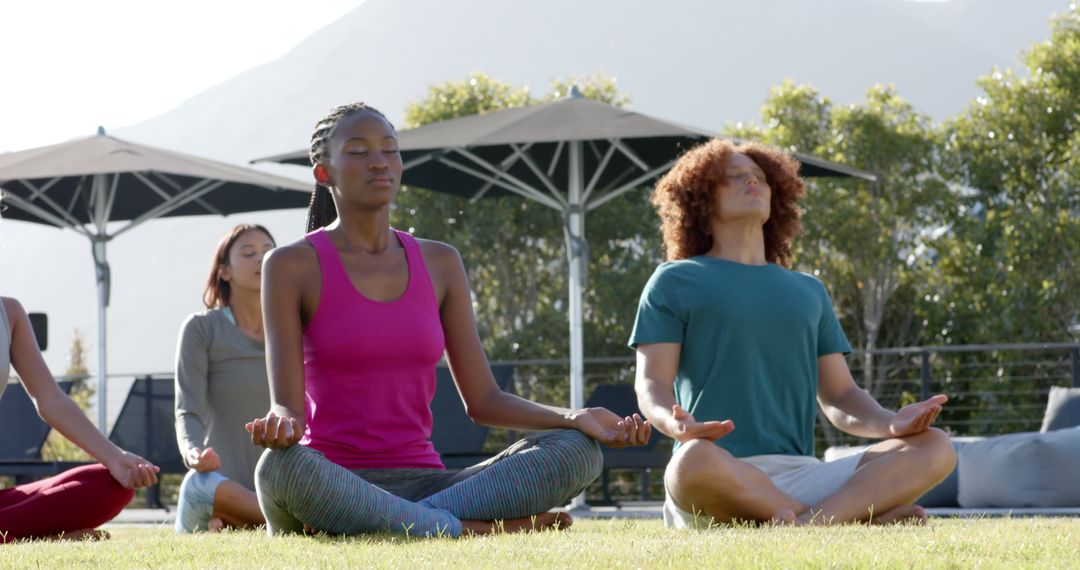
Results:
x,y
840,419
478,414
482,410
47,408
643,393
835,417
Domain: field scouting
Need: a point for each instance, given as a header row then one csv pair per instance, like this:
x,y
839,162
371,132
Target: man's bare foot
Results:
x,y
813,517
540,521
215,524
81,534
904,514
783,516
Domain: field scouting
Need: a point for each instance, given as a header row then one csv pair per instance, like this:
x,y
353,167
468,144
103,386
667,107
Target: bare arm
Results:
x,y
654,383
63,414
484,401
657,365
282,301
853,410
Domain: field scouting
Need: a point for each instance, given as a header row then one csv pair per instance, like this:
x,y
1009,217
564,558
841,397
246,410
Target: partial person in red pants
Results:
x,y
71,504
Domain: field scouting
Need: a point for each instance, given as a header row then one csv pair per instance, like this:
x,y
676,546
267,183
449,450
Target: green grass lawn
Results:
x,y
951,543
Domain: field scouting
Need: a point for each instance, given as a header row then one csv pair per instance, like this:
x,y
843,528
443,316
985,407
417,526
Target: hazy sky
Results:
x,y
71,65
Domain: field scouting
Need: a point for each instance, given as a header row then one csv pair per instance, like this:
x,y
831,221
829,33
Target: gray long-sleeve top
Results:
x,y
221,384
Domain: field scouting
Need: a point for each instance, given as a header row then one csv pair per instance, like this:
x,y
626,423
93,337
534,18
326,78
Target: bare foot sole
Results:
x,y
81,534
904,514
215,525
542,521
783,517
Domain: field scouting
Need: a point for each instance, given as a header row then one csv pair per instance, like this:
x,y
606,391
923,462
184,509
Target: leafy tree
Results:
x,y
514,248
1010,269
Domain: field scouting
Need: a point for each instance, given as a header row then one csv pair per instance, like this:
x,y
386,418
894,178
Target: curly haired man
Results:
x,y
733,348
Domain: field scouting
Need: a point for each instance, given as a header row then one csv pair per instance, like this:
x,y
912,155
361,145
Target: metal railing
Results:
x,y
993,388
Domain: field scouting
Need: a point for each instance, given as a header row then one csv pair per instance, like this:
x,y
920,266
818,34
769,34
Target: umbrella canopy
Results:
x,y
87,183
572,155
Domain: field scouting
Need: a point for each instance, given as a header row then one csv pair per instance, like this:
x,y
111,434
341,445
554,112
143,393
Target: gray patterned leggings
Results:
x,y
299,485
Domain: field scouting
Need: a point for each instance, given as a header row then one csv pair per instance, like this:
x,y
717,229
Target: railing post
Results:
x,y
1075,367
924,391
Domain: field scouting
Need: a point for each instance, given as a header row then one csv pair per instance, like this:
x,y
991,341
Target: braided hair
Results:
x,y
321,209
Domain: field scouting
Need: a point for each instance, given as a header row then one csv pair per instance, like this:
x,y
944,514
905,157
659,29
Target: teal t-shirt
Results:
x,y
751,336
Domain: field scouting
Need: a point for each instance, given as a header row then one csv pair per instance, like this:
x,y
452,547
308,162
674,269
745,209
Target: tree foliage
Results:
x,y
1010,268
514,249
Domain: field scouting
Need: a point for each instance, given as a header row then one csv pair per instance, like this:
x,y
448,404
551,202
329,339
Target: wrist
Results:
x,y
671,427
889,428
112,456
572,418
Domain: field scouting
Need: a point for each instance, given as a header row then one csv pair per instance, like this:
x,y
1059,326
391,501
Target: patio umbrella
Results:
x,y
572,155
85,184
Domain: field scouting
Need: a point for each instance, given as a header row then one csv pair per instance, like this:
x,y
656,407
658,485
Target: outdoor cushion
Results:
x,y
1062,409
1030,469
944,494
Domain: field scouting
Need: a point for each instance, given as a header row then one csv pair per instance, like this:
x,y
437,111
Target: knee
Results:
x,y
586,450
271,472
110,490
96,486
939,448
698,463
121,495
935,452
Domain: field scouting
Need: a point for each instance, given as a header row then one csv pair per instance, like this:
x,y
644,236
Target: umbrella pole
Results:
x,y
100,202
100,356
103,294
575,238
574,221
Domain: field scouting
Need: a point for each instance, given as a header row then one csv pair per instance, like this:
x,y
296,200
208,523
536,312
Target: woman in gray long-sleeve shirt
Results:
x,y
220,385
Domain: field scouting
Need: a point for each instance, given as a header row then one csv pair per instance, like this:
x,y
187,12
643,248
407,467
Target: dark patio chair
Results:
x,y
460,441
24,436
39,323
145,427
621,399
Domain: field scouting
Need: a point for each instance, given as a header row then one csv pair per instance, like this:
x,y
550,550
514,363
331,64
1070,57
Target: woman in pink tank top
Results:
x,y
357,315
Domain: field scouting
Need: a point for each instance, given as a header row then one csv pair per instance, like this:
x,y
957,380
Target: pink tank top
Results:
x,y
369,367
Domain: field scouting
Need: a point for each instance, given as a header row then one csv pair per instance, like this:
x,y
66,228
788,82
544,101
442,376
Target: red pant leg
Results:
x,y
84,497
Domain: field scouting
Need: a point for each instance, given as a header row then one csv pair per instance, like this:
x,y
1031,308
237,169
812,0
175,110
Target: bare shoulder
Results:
x,y
440,256
12,307
292,258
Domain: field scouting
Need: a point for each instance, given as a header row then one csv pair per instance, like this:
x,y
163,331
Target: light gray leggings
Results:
x,y
299,485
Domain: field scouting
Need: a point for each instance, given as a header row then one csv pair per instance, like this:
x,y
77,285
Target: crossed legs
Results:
x,y
300,488
69,505
703,478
